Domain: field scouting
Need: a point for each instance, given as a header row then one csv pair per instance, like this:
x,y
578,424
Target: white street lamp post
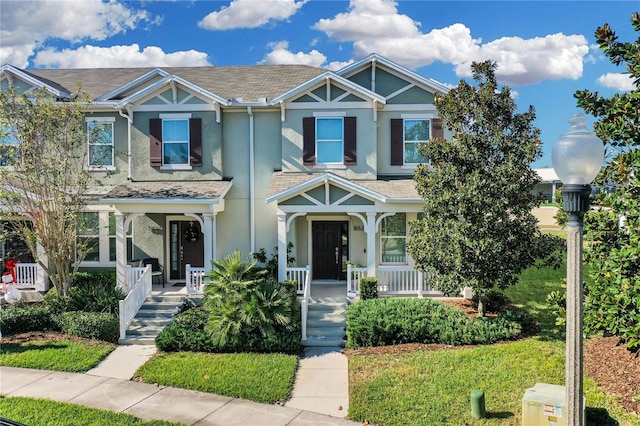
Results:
x,y
577,158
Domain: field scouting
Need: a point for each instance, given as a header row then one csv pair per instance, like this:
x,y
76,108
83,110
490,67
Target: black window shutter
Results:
x,y
397,142
437,131
195,142
155,142
308,141
350,157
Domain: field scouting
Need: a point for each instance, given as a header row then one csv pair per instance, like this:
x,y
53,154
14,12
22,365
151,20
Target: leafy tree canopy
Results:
x,y
613,230
478,229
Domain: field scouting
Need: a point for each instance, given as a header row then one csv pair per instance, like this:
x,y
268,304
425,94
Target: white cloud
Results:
x,y
280,54
617,81
250,14
27,25
117,56
520,61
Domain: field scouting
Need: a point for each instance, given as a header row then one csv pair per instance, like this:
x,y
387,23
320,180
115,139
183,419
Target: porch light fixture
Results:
x,y
577,157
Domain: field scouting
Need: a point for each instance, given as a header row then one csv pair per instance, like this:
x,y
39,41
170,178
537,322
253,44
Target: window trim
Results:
x,y
17,143
413,117
405,238
319,142
186,117
101,120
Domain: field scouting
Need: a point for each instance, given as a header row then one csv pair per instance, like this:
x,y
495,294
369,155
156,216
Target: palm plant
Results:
x,y
241,299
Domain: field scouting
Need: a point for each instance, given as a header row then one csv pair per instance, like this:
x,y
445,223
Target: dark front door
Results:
x,y
330,249
186,246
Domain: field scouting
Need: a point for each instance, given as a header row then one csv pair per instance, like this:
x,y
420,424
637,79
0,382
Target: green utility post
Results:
x,y
478,410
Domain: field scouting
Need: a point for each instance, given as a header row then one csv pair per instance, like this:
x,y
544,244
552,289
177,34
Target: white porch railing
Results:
x,y
138,292
303,279
30,275
393,280
300,276
196,280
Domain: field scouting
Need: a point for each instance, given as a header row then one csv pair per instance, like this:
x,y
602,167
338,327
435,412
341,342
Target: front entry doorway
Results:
x,y
330,249
186,246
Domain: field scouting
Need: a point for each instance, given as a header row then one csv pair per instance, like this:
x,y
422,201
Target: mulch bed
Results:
x,y
47,336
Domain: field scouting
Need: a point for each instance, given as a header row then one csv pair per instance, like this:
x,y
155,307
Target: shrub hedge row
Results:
x,y
390,321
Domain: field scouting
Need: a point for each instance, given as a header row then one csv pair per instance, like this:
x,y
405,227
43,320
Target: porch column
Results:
x,y
282,246
370,229
209,233
553,192
121,252
42,278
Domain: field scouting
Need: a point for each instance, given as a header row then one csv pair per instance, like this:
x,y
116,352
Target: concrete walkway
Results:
x,y
320,395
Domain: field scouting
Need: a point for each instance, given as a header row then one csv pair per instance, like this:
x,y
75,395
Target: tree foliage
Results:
x,y
478,229
45,177
613,297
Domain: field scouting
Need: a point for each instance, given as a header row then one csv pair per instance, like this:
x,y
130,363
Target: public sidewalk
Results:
x,y
321,389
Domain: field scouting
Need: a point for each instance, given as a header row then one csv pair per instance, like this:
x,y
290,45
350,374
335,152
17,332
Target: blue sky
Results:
x,y
545,50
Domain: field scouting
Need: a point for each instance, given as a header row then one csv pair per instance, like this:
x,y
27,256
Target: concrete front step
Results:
x,y
324,342
326,322
156,313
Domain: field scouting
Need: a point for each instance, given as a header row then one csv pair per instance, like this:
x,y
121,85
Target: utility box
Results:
x,y
544,405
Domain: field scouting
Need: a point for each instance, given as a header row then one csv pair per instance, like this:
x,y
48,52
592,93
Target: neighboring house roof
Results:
x,y
247,82
173,190
285,185
547,174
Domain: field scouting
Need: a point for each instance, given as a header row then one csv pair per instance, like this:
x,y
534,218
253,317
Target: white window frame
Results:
x,y
176,117
13,142
399,237
329,116
413,117
102,121
104,238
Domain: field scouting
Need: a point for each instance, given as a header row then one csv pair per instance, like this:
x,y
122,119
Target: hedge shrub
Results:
x,y
21,318
368,288
91,325
390,321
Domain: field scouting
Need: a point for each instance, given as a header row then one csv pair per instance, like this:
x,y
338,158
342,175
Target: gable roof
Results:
x,y
355,67
247,82
328,75
285,185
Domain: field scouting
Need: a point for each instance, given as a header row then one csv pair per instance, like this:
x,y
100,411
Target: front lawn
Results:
x,y
264,378
432,387
54,353
43,412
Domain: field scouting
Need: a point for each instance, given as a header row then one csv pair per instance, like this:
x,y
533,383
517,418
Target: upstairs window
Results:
x,y
416,132
329,140
10,151
175,141
393,239
100,140
406,136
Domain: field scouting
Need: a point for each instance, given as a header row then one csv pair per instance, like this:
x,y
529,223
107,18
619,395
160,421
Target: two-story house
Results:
x,y
208,160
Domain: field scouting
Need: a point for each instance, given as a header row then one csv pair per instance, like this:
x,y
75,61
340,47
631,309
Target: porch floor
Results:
x,y
329,290
168,290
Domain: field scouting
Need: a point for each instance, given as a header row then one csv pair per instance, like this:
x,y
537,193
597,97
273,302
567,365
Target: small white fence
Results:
x,y
196,279
139,290
396,280
300,276
30,275
303,280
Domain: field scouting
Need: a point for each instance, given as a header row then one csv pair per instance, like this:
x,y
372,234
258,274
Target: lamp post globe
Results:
x,y
577,157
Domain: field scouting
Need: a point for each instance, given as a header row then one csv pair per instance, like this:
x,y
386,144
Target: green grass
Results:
x,y
57,355
42,412
433,388
264,378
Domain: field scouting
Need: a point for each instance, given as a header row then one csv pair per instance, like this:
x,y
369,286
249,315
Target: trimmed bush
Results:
x,y
22,318
91,325
55,303
390,321
368,288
